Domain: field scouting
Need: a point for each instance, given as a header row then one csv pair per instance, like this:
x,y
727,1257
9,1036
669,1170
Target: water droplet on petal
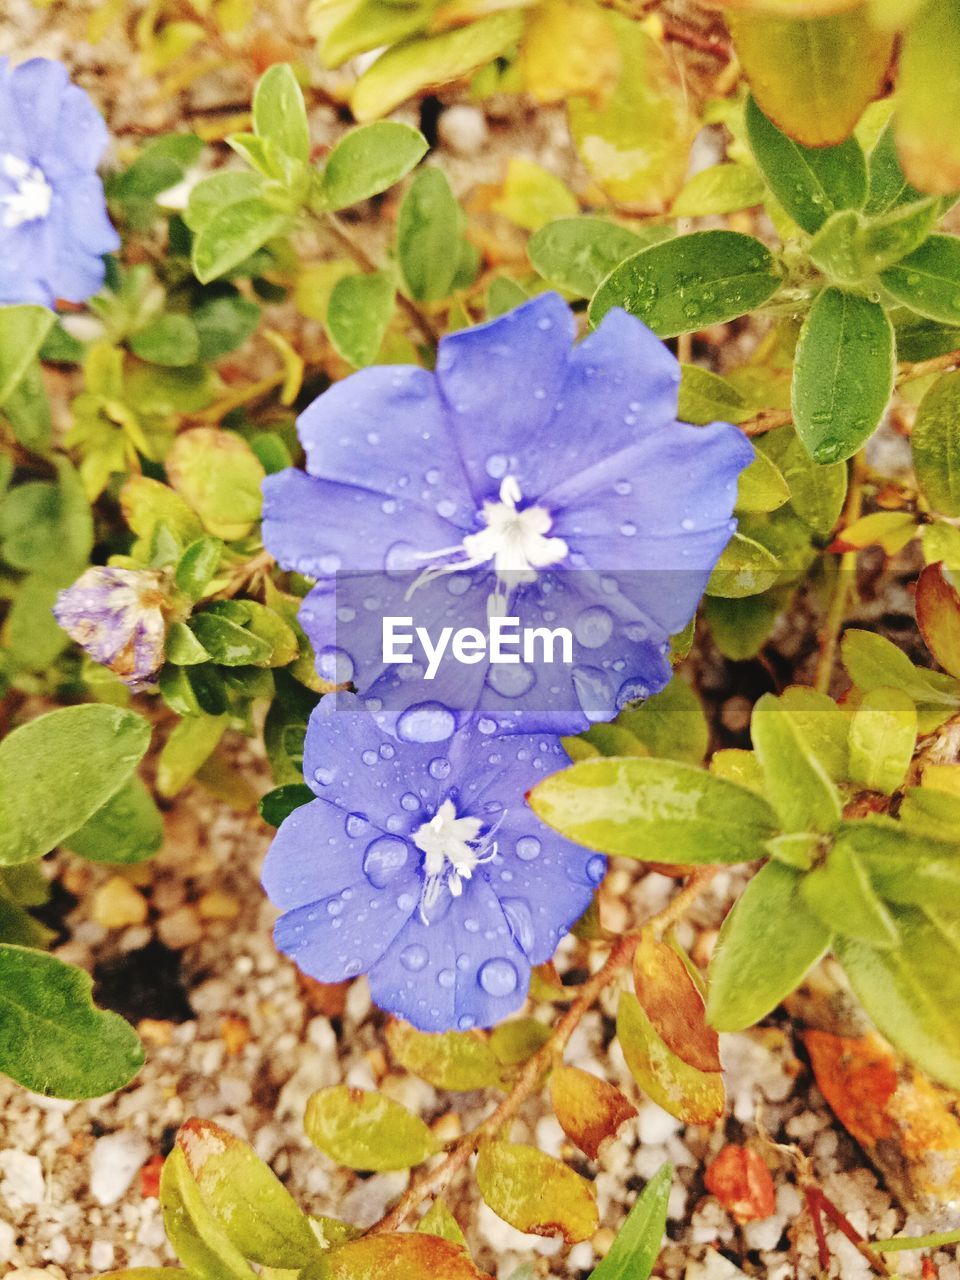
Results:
x,y
498,977
384,859
426,722
414,957
593,627
528,848
439,768
596,868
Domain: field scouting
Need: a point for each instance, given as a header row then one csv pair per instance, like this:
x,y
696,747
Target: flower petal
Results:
x,y
501,381
460,971
385,429
38,87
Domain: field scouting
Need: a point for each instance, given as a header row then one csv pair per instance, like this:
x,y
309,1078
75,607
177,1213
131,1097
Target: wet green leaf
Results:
x,y
128,828
197,1238
634,1252
22,331
935,442
358,315
279,112
883,734
659,810
192,740
690,282
53,1040
817,493
670,724
428,236
843,375
456,1060
796,783
576,253
928,280
706,397
233,233
839,892
367,1130
745,568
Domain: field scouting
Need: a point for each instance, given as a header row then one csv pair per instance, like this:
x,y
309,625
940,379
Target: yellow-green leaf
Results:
x,y
365,1130
456,1060
536,1193
692,1095
813,76
883,734
927,122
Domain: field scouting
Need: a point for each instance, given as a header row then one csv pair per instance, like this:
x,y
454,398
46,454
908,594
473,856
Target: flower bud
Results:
x,y
117,616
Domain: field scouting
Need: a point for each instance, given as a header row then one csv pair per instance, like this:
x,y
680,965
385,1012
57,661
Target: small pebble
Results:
x,y
463,129
180,929
21,1177
114,1162
218,906
117,904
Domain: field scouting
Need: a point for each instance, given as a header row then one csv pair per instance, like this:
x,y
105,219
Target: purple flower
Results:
x,y
117,616
54,227
526,476
424,868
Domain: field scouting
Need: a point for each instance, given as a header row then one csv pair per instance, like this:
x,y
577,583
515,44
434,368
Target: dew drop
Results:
x,y
498,977
596,868
426,722
324,776
446,978
384,859
439,768
414,957
594,627
528,848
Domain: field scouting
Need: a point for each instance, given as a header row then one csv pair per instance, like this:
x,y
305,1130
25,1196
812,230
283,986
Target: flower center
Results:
x,y
452,847
513,541
32,195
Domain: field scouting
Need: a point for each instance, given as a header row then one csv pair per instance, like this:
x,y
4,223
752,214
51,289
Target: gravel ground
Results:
x,y
182,947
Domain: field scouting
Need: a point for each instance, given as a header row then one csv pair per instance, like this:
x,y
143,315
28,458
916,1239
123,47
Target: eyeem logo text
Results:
x,y
504,641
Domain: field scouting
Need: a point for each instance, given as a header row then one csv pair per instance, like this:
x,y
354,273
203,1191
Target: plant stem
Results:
x,y
843,586
356,250
536,1068
901,1244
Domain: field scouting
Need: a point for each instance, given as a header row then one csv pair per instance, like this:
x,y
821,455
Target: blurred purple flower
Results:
x,y
117,616
54,227
526,474
424,868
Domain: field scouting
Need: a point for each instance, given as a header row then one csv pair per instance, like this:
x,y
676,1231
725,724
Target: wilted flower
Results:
x,y
424,868
54,227
117,616
525,476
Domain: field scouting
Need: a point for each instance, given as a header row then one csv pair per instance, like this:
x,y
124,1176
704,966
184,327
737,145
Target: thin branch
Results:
x,y
433,1181
843,586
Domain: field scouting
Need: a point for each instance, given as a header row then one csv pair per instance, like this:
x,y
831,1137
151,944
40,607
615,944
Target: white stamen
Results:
x,y
31,200
452,848
514,542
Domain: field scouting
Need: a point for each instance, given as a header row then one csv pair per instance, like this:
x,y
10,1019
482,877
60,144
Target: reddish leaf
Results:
x,y
589,1109
938,617
674,1004
858,1077
406,1256
741,1182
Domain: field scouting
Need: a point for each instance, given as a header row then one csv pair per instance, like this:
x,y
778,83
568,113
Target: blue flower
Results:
x,y
525,476
117,616
424,868
54,227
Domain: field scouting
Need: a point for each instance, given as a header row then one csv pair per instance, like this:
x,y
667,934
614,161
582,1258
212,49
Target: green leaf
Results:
x,y
250,1204
888,186
634,1252
170,340
193,739
722,188
912,992
343,31
935,442
797,784
128,828
840,893
360,310
229,644
503,294
222,189
47,528
454,1060
843,375
915,861
659,810
279,113
745,568
532,196
883,734
576,253
761,487
81,756
890,237
162,164
536,1193
928,99
28,410
813,76
428,235
367,1130
197,566
822,725
369,160
53,1040
690,282
223,321
670,724
928,280
233,233
279,803
197,1238
407,1255
406,69
810,182
439,1221
706,397
817,493
741,627
766,945
874,662
22,331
